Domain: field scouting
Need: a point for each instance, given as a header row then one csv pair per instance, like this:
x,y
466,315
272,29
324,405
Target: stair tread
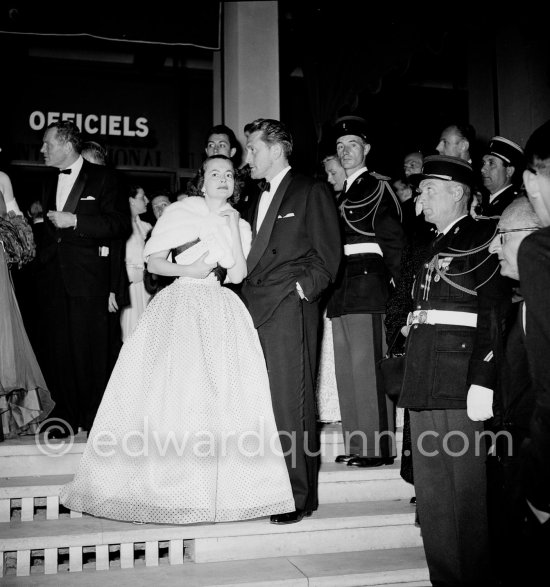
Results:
x,y
329,472
405,566
89,530
27,445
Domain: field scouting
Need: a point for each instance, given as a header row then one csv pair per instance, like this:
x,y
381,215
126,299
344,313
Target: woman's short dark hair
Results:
x,y
194,188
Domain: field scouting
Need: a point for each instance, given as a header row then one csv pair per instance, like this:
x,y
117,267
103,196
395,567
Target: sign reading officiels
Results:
x,y
134,118
92,124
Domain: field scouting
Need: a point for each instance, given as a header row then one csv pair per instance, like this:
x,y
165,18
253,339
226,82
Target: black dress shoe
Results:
x,y
370,461
344,458
290,517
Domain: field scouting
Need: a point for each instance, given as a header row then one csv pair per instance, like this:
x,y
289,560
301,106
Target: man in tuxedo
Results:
x,y
370,216
534,271
513,407
85,210
295,254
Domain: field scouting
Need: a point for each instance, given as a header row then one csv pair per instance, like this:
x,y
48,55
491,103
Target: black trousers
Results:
x,y
368,422
76,365
290,341
450,482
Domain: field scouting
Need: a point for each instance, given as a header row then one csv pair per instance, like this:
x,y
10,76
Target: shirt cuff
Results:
x,y
75,221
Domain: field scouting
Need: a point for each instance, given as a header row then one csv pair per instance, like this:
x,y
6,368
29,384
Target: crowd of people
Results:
x,y
199,347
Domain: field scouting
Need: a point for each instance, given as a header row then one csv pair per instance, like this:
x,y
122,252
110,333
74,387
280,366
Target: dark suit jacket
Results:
x,y
102,215
514,399
298,241
441,361
534,274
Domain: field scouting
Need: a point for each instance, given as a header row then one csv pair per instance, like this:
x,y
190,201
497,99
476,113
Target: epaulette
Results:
x,y
380,176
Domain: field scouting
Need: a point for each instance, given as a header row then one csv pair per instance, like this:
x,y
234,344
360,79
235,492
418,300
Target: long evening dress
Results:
x,y
139,297
24,398
185,432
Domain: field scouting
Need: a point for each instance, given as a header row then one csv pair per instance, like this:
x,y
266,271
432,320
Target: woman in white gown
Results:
x,y
133,260
185,432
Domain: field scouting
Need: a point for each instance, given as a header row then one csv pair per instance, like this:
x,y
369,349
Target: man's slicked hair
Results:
x,y
273,132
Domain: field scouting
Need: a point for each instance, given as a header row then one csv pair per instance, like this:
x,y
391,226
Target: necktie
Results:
x,y
437,239
264,186
66,171
345,186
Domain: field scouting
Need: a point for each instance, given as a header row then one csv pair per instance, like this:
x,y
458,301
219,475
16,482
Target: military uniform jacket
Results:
x,y
502,201
369,213
441,361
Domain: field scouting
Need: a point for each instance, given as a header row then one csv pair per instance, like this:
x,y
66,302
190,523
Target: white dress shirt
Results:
x,y
353,177
267,197
65,183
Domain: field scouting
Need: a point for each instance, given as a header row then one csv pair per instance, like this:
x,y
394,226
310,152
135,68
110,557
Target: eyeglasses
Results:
x,y
501,232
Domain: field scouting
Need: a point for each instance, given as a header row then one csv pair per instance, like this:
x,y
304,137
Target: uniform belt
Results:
x,y
358,248
442,317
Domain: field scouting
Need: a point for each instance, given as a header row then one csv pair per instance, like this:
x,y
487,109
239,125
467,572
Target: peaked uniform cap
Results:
x,y
350,125
510,152
448,169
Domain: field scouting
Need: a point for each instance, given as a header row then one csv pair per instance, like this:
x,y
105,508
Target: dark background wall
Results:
x,y
408,76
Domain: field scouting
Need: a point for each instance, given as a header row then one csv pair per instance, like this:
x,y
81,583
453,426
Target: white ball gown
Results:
x,y
139,298
185,432
328,403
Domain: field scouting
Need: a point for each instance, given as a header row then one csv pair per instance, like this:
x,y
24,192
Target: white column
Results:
x,y
250,64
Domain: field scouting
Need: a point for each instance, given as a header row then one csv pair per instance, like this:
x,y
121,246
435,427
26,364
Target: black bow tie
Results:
x,y
67,171
264,186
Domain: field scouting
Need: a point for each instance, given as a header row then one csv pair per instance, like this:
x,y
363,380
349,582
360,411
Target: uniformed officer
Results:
x,y
373,241
501,171
457,288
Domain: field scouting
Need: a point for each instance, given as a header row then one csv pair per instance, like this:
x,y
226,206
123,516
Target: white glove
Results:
x,y
479,403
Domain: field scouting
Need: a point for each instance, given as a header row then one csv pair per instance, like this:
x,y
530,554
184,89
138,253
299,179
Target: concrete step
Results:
x,y
333,528
37,497
396,567
30,455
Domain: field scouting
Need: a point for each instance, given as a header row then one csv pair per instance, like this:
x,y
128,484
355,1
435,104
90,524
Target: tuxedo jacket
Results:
x,y
441,361
75,254
514,398
534,275
298,241
369,213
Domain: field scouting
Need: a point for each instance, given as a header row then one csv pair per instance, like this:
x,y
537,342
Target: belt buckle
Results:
x,y
418,317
